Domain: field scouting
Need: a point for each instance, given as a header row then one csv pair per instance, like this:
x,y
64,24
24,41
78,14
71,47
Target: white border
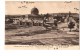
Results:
x,y
4,52
42,0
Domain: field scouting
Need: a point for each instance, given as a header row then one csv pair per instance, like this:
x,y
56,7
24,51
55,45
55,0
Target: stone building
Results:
x,y
36,18
33,19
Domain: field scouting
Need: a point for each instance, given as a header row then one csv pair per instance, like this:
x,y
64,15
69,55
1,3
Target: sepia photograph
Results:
x,y
42,23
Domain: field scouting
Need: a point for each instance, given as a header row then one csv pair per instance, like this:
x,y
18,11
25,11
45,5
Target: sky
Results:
x,y
12,7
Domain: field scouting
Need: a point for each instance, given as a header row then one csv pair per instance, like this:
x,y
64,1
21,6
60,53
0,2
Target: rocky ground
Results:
x,y
37,35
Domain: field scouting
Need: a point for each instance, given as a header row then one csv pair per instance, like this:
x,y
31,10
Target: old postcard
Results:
x,y
49,25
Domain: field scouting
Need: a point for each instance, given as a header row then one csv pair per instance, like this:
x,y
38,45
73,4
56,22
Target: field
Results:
x,y
37,35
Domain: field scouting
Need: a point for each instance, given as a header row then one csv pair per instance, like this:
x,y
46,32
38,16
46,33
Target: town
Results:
x,y
42,29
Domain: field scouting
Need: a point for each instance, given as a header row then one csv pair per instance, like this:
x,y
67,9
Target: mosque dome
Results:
x,y
34,11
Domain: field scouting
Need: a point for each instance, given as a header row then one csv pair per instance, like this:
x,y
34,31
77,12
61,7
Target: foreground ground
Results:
x,y
37,35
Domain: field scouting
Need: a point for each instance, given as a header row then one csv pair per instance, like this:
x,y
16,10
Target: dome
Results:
x,y
34,11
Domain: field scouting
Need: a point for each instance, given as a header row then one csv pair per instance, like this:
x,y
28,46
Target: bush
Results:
x,y
10,26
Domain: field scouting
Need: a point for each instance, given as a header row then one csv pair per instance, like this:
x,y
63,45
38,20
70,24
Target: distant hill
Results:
x,y
52,14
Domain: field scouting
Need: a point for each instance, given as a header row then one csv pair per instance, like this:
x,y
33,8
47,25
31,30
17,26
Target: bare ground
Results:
x,y
37,35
